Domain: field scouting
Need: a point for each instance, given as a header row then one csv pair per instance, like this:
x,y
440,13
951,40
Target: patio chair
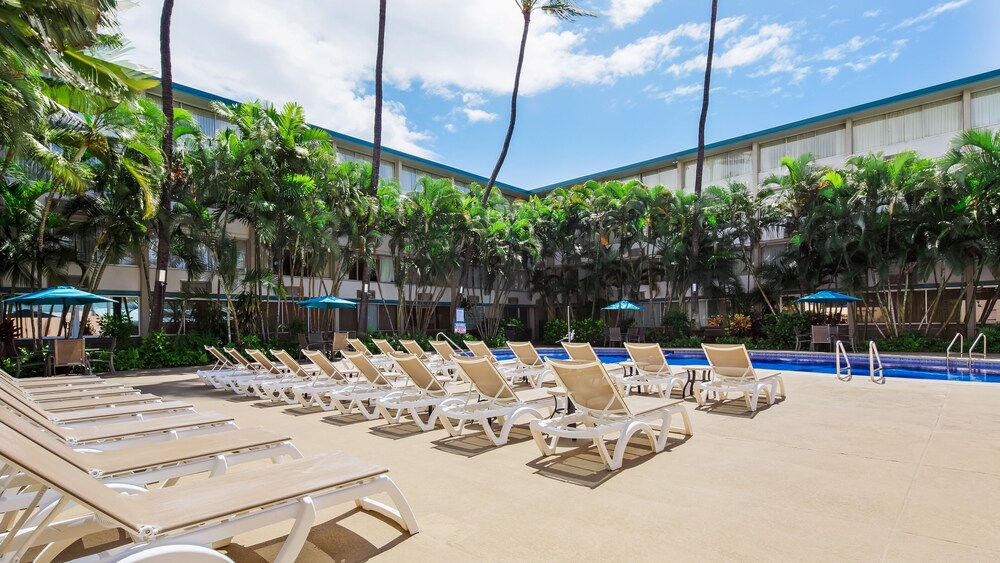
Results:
x,y
332,376
527,364
445,350
733,372
821,334
613,335
175,523
339,342
317,342
103,344
497,401
479,349
802,338
652,370
69,352
381,360
371,386
603,412
427,392
414,348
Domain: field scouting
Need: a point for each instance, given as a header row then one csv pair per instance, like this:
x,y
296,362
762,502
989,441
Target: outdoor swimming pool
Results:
x,y
912,367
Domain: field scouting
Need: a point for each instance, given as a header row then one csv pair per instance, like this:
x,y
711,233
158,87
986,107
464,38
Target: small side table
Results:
x,y
692,373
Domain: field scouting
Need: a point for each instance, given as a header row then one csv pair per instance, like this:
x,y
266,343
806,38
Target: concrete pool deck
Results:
x,y
906,471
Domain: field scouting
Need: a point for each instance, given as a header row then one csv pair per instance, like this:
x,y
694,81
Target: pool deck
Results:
x,y
906,471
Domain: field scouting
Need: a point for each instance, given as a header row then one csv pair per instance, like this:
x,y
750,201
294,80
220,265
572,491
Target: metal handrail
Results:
x,y
441,335
842,353
873,358
982,336
961,349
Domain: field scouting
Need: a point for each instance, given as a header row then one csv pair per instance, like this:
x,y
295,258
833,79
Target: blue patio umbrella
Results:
x,y
61,295
327,302
624,305
827,297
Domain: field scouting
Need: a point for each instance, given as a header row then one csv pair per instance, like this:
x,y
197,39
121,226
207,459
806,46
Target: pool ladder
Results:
x,y
844,373
843,369
961,350
982,336
876,374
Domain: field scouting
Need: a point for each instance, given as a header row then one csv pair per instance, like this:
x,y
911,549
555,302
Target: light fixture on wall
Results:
x,y
161,276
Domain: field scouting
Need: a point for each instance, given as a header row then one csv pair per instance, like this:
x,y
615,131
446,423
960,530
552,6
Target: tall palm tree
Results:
x,y
700,163
163,230
366,274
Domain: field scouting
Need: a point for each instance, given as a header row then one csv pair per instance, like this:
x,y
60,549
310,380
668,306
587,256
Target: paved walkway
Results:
x,y
907,471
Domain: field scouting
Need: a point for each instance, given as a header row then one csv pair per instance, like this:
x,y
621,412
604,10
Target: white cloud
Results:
x,y
871,13
769,46
838,52
932,13
624,12
678,92
477,115
450,127
829,72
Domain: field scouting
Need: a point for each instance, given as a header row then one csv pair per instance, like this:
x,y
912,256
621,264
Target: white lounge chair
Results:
x,y
733,372
332,376
651,369
426,393
497,400
584,352
527,364
373,385
603,413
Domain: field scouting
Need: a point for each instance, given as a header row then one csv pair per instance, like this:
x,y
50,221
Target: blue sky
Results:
x,y
597,93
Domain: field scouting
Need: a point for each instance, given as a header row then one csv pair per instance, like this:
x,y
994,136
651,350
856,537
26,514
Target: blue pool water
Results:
x,y
911,367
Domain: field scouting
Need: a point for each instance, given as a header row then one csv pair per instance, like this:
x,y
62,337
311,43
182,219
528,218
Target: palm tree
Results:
x,y
167,146
700,163
366,274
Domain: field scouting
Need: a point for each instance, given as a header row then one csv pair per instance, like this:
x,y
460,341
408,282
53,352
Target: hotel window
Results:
x,y
719,168
241,257
386,170
207,123
666,177
820,144
408,179
899,127
986,108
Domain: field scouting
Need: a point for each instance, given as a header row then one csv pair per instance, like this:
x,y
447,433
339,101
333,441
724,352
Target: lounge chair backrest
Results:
x,y
18,403
648,357
729,360
324,364
263,361
367,369
68,352
419,374
590,387
412,347
580,351
443,349
240,359
339,341
821,333
316,338
290,363
359,346
223,361
526,353
481,350
485,378
384,346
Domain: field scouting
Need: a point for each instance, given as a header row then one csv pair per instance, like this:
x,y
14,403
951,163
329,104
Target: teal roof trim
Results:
x,y
230,102
780,128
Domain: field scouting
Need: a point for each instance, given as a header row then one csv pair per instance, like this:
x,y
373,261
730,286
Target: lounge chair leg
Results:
x,y
300,531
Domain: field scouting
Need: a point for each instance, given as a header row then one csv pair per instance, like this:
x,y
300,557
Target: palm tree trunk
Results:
x,y
163,225
700,163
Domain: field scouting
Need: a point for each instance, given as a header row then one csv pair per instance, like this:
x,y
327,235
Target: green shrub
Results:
x,y
120,327
515,327
155,350
779,329
554,330
740,325
912,342
498,341
252,341
127,358
676,324
593,331
684,342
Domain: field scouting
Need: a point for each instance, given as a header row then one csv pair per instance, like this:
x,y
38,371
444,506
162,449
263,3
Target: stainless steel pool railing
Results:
x,y
873,360
843,371
961,350
444,336
982,336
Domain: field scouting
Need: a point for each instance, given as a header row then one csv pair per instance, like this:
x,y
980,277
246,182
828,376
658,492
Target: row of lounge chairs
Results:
x,y
581,398
79,454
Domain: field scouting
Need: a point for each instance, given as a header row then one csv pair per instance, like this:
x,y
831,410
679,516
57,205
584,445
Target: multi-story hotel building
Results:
x,y
924,120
